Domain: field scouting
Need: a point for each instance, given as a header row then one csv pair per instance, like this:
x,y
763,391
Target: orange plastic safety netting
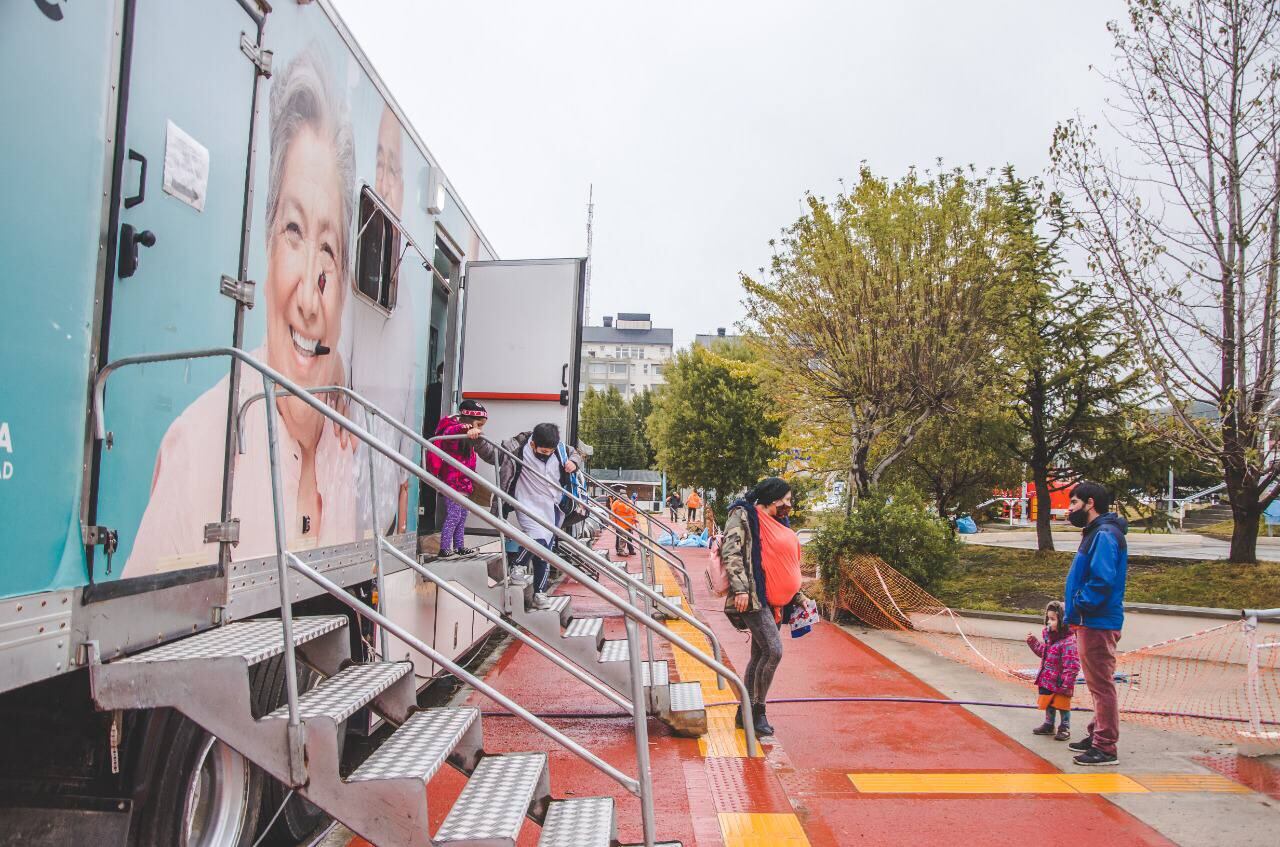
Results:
x,y
1222,681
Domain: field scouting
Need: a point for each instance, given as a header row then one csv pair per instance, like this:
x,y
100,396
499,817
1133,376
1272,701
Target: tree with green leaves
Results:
x,y
608,425
877,306
959,459
641,409
1068,381
712,425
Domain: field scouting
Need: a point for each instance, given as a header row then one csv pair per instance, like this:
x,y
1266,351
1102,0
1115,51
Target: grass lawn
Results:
x,y
1010,580
1224,529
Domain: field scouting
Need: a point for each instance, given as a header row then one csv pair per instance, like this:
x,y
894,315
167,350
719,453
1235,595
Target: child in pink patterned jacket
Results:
x,y
469,421
1059,666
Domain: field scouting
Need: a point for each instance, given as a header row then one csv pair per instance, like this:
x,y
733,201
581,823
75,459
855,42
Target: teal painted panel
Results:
x,y
54,102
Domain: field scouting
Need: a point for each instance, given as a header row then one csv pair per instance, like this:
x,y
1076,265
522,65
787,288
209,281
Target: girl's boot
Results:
x,y
762,724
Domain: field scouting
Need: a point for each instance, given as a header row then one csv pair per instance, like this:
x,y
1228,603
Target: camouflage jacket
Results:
x,y
736,554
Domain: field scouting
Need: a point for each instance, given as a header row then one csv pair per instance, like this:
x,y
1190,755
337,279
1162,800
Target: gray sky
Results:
x,y
702,124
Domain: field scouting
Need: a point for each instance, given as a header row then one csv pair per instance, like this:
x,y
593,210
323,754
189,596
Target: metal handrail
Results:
x,y
271,377
619,576
632,785
622,578
428,443
554,656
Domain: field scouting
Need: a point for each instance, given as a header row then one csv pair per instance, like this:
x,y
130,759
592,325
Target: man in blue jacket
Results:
x,y
1094,607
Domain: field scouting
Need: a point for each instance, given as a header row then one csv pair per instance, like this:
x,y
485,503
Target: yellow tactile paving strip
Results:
x,y
1041,783
753,829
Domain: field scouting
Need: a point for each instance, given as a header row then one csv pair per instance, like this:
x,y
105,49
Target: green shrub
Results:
x,y
896,525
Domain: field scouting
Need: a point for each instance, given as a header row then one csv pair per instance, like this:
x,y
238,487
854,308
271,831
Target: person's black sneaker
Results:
x,y
1043,729
1084,745
1096,758
466,551
1064,734
737,717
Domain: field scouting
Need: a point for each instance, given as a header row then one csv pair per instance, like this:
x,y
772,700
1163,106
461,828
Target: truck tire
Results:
x,y
204,794
299,818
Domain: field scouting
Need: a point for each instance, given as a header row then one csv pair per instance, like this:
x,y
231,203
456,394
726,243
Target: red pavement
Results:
x,y
805,771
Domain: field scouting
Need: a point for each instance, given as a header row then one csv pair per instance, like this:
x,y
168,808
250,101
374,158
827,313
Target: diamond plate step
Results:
x,y
492,806
660,674
559,602
686,697
615,651
584,628
254,641
343,694
582,822
418,748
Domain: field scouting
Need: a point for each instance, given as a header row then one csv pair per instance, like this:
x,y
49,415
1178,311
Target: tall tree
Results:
x,y
609,426
641,409
1183,227
876,307
712,425
1066,379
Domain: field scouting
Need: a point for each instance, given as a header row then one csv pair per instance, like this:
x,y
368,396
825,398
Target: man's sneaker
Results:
x,y
1064,734
1095,758
1043,729
1084,745
541,601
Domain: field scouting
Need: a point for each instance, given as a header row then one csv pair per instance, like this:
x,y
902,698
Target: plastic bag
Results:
x,y
803,619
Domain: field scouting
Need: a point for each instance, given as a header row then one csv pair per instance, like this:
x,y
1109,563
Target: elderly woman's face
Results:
x,y
305,278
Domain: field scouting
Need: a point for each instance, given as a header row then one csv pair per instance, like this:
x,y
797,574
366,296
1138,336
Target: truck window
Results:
x,y
377,254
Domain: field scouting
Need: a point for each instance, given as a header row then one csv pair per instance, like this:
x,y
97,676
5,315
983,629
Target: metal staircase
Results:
x,y
383,798
580,639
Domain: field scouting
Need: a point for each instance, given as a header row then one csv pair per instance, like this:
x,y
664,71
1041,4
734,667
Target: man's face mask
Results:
x,y
1079,518
543,456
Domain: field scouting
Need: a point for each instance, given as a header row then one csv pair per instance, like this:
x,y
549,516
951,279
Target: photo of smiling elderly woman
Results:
x,y
309,206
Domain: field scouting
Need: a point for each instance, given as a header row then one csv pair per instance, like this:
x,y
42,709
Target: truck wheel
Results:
x,y
299,818
207,795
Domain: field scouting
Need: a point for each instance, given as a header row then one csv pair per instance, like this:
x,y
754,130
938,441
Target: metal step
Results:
x,y
342,695
254,641
418,748
615,651
685,710
659,675
582,822
492,807
584,628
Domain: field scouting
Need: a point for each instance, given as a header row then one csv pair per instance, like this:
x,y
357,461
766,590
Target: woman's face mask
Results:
x,y
782,510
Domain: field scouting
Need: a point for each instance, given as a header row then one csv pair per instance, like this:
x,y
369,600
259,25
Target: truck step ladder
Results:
x,y
384,799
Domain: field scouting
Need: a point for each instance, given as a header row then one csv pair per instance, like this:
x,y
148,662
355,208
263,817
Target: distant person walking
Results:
x,y
1094,607
624,520
673,506
692,505
761,556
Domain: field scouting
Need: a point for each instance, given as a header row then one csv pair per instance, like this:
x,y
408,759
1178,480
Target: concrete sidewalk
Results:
x,y
1184,545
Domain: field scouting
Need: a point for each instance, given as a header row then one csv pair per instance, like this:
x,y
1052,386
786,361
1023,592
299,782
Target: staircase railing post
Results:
x,y
640,722
297,757
379,601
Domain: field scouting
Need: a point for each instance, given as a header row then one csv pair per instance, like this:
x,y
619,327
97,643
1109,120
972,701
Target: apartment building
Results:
x,y
710,342
628,353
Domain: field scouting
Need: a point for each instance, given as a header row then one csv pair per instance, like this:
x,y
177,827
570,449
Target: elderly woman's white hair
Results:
x,y
303,95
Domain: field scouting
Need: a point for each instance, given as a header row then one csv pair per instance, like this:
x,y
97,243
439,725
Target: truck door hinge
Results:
x,y
240,290
101,536
224,532
261,58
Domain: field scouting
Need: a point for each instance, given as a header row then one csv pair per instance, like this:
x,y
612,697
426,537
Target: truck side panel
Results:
x,y
55,96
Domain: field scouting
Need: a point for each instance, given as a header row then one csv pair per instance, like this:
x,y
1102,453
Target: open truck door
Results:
x,y
521,343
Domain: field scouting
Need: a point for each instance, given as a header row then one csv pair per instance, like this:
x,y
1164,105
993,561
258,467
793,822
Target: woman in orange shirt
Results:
x,y
624,518
693,504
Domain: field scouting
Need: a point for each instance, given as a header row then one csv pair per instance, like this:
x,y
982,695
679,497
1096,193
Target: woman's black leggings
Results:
x,y
766,653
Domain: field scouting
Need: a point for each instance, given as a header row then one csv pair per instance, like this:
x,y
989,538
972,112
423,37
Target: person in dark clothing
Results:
x,y
673,505
1094,609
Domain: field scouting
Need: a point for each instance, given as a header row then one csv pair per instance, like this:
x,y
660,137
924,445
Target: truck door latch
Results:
x,y
261,58
101,536
225,532
240,290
